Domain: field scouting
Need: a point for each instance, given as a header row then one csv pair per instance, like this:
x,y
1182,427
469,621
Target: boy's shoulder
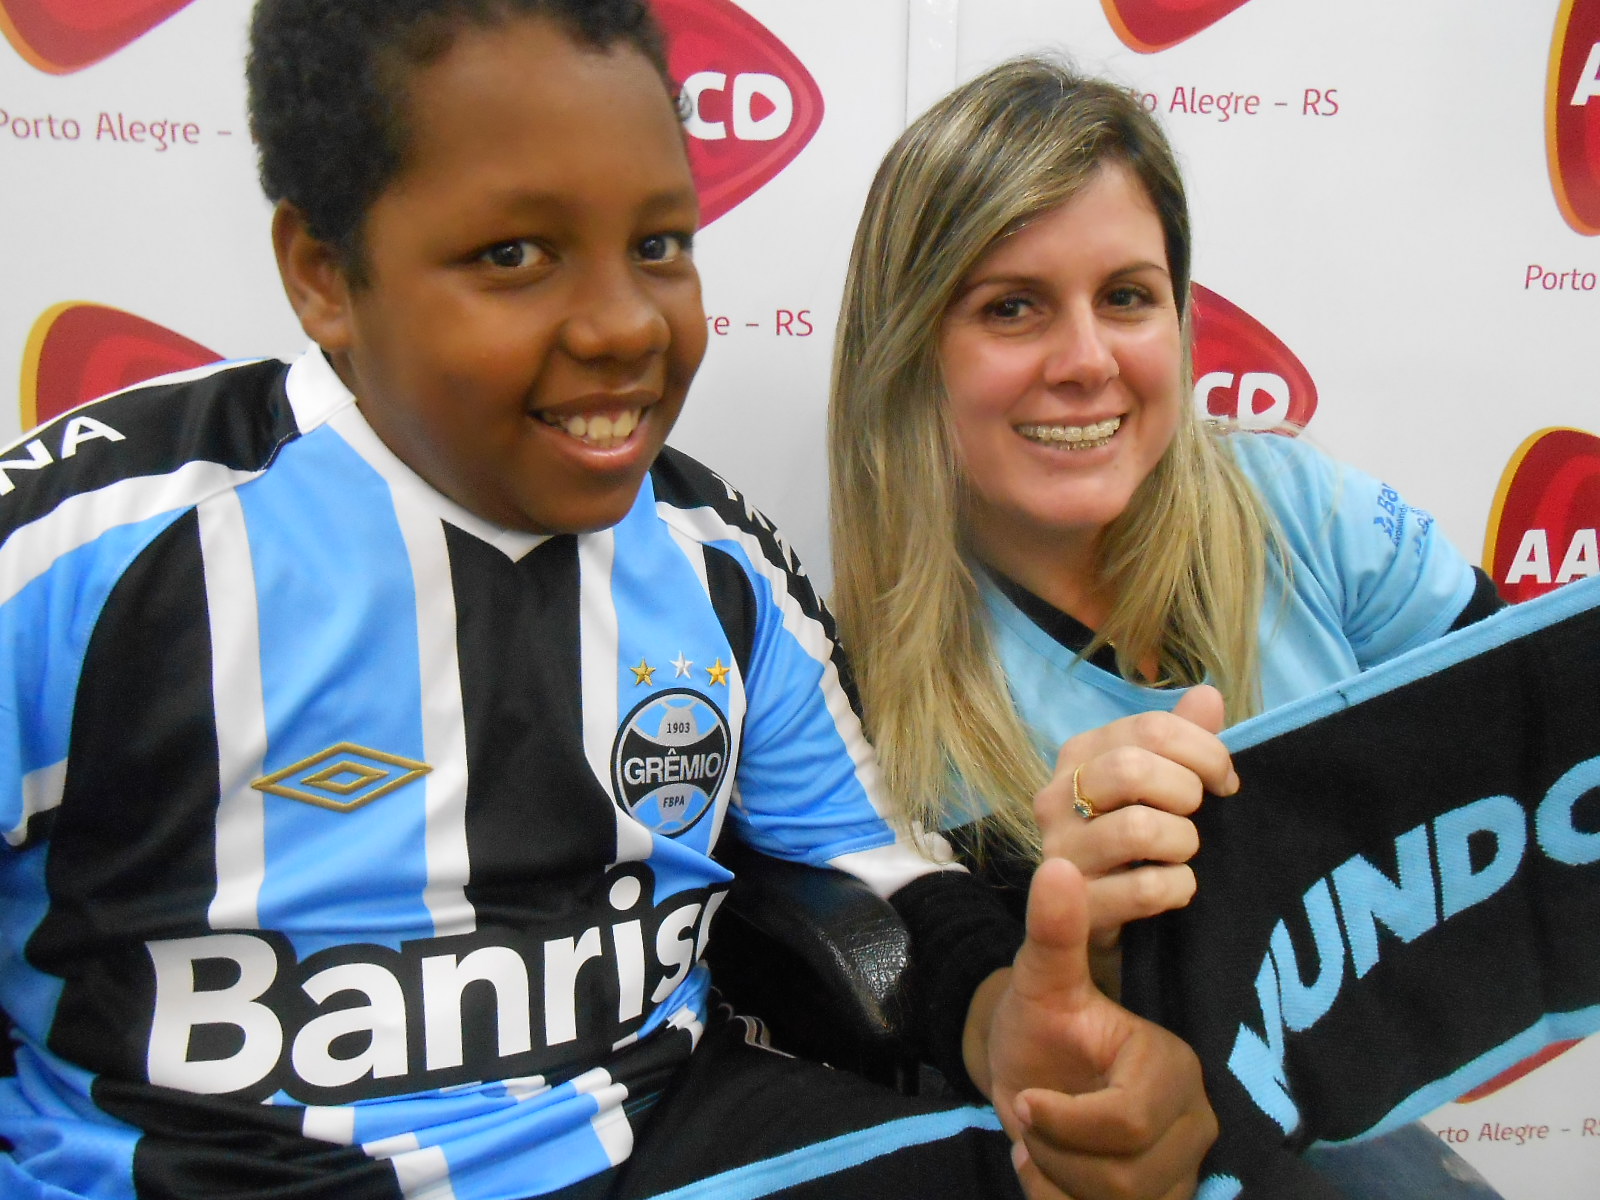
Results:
x,y
228,417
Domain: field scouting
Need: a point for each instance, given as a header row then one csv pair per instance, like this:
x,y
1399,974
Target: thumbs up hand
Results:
x,y
1100,1104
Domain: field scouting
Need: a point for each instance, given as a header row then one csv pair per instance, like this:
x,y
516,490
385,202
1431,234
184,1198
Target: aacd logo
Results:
x,y
1151,25
750,106
79,351
61,36
1572,114
1542,531
1242,371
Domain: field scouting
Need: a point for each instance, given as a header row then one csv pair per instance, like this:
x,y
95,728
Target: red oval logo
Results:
x,y
77,352
1151,25
62,36
1542,528
750,105
1572,114
1242,371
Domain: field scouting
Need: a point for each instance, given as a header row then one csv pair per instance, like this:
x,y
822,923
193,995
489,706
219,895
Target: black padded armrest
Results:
x,y
821,959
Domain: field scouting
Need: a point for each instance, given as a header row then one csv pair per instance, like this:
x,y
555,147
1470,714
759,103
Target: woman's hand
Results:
x,y
1141,778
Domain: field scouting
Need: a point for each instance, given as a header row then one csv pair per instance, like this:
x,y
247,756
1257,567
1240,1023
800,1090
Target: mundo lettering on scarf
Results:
x,y
1403,899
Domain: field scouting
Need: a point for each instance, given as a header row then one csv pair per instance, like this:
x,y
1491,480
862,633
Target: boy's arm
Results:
x,y
1100,1102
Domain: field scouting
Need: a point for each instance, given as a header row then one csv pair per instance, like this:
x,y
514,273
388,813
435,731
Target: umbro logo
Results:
x,y
343,777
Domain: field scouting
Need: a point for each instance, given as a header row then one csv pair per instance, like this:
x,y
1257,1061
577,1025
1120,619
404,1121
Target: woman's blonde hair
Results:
x,y
1183,564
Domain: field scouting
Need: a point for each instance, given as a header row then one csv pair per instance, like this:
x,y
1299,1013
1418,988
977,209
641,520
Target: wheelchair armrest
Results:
x,y
822,959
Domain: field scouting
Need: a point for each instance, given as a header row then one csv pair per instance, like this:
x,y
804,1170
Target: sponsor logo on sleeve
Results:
x,y
1542,529
1572,114
1151,25
1243,372
62,36
749,104
77,352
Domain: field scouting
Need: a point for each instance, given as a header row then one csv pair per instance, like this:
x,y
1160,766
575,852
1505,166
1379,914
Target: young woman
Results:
x,y
1041,553
1034,532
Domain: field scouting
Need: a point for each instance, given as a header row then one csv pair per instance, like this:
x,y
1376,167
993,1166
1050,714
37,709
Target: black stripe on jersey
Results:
x,y
536,814
684,483
223,1149
733,598
237,416
132,855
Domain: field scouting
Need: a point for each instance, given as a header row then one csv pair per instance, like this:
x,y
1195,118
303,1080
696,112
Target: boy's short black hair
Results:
x,y
327,83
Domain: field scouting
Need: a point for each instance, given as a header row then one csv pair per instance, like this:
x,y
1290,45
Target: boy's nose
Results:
x,y
614,316
1080,352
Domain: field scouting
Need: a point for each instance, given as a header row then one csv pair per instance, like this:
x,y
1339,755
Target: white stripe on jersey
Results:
x,y
239,712
325,1124
610,1124
705,525
885,869
598,639
78,520
41,791
444,722
422,1172
695,552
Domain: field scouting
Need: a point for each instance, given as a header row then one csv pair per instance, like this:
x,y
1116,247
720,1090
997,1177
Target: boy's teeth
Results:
x,y
598,430
1073,437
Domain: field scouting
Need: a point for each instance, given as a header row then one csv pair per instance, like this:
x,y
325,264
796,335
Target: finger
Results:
x,y
1053,964
1167,735
1153,1159
1034,1184
1116,778
1125,896
1135,833
1154,1092
1202,705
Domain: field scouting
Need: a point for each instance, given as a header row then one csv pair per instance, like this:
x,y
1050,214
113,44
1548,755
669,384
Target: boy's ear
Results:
x,y
313,278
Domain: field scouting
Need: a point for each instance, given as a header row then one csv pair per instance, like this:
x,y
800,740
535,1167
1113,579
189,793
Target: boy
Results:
x,y
372,719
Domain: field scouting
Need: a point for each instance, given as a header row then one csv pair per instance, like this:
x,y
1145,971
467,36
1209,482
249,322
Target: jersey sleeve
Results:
x,y
1380,566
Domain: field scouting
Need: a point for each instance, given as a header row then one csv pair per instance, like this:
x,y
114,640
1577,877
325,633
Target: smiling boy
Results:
x,y
371,720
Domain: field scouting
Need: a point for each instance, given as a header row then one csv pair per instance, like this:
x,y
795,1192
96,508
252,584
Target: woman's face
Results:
x,y
1061,356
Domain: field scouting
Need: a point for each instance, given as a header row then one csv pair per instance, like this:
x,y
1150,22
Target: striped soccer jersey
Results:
x,y
357,847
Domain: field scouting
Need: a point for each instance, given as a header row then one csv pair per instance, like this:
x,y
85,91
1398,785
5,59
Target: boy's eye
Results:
x,y
665,247
511,255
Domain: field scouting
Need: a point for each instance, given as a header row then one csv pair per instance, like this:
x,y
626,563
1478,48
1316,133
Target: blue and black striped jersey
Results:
x,y
355,846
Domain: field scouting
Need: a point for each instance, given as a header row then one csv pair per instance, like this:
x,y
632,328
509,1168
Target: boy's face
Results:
x,y
531,318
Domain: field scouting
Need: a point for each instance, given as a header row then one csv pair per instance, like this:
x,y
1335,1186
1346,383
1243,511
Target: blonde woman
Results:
x,y
1043,559
1035,537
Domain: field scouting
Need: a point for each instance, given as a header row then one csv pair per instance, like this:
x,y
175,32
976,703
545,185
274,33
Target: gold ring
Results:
x,y
1081,804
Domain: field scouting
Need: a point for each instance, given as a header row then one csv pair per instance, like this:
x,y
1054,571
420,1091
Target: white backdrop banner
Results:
x,y
1397,220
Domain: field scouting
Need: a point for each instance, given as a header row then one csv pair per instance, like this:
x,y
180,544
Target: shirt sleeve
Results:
x,y
1381,565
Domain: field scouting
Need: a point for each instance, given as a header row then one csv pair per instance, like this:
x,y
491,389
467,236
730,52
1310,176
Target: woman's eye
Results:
x,y
1127,297
511,255
665,247
1007,308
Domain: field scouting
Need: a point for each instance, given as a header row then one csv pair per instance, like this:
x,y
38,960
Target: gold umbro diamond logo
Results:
x,y
342,777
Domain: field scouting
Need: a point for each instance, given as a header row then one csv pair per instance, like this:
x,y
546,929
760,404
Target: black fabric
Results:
x,y
960,935
1071,633
1401,901
738,1106
1485,601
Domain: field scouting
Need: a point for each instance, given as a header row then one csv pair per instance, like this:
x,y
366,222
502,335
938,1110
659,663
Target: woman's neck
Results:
x,y
1063,572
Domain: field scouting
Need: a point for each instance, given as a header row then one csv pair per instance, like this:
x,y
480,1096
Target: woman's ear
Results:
x,y
313,278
